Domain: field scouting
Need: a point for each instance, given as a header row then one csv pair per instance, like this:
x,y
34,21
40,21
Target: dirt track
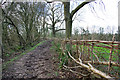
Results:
x,y
35,64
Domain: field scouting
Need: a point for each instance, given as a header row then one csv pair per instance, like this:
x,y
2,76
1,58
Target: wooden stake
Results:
x,y
92,52
111,50
77,47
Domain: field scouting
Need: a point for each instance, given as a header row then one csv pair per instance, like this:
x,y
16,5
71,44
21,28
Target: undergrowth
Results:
x,y
63,58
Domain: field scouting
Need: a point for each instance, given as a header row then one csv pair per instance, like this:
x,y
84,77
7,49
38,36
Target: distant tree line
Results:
x,y
95,35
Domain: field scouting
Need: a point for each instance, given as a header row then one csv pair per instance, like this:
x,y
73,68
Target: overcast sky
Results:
x,y
103,15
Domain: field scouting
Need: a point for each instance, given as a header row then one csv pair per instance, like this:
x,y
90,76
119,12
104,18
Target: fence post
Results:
x,y
110,58
92,52
88,52
119,58
83,51
77,47
111,50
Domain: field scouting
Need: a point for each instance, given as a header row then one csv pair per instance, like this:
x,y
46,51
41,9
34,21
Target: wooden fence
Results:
x,y
89,53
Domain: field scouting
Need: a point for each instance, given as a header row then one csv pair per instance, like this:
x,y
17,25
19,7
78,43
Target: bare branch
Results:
x,y
59,30
74,71
94,55
103,63
78,7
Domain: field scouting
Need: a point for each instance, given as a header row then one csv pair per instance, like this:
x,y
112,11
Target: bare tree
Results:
x,y
55,16
23,17
11,22
68,16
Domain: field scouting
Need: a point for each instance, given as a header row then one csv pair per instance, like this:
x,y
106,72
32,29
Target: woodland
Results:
x,y
40,36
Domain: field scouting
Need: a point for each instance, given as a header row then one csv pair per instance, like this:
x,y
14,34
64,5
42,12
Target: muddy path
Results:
x,y
35,64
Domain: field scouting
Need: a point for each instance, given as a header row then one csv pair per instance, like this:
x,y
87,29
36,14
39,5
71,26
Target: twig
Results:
x,y
74,71
73,67
79,56
95,55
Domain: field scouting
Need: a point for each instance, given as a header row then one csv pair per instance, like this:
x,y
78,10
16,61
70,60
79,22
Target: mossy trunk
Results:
x,y
68,19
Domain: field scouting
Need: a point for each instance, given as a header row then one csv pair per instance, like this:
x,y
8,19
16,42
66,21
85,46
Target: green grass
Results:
x,y
105,53
18,56
99,51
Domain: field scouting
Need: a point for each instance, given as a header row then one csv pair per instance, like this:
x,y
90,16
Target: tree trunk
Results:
x,y
28,36
53,30
68,19
53,22
29,32
69,27
0,43
21,40
68,16
5,36
44,34
0,34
